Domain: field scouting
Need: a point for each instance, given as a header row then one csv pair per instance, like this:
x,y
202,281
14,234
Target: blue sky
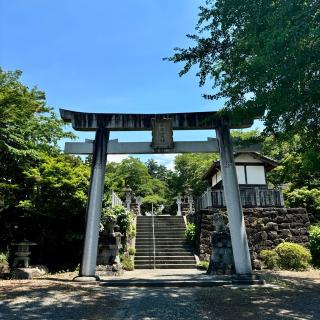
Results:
x,y
105,56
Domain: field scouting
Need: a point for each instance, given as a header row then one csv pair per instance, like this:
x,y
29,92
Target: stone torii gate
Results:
x,y
162,126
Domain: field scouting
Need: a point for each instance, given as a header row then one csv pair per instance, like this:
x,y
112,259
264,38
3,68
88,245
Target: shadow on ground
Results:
x,y
297,298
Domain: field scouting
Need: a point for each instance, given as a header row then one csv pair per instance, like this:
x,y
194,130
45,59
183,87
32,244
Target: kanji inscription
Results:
x,y
162,134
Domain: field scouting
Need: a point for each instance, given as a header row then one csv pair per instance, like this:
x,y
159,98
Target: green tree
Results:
x,y
27,128
190,167
157,170
42,193
54,211
261,57
133,172
299,167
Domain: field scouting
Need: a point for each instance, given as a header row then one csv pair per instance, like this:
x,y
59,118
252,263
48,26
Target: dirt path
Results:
x,y
293,295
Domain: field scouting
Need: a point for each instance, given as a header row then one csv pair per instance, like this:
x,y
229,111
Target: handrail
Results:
x,y
115,199
154,242
250,197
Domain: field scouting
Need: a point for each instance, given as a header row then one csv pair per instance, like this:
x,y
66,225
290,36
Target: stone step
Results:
x,y
162,242
163,227
167,221
162,236
168,218
160,217
168,248
166,266
166,258
159,261
161,232
161,221
169,234
165,246
170,245
164,253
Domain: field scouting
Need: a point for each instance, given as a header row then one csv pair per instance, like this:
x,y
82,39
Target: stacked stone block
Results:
x,y
266,228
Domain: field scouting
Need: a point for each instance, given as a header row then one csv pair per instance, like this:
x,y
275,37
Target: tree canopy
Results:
x,y
189,170
28,128
262,57
43,192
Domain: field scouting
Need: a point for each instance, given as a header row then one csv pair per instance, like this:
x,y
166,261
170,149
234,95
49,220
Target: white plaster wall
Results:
x,y
246,157
216,178
256,175
241,175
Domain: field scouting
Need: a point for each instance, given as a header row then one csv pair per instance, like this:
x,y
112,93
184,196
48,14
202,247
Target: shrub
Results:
x,y
3,257
131,251
315,245
132,231
127,263
203,265
270,258
293,256
4,265
190,232
121,214
305,198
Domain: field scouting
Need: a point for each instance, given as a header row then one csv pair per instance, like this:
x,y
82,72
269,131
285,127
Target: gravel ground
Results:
x,y
291,295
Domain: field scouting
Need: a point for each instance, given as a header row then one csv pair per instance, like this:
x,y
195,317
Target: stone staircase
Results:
x,y
168,249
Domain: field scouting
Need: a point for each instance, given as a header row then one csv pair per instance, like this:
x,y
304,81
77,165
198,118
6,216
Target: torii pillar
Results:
x,y
89,256
233,202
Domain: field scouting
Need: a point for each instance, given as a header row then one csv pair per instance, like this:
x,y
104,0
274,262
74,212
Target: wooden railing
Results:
x,y
250,198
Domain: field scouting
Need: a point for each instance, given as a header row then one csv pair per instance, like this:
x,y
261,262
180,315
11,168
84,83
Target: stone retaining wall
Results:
x,y
266,228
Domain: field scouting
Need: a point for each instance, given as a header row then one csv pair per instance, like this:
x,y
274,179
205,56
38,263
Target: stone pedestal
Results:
x,y
110,270
108,251
221,261
30,272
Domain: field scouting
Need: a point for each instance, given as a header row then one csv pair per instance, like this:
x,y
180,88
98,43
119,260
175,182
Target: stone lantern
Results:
x,y
138,202
179,202
190,200
22,255
128,192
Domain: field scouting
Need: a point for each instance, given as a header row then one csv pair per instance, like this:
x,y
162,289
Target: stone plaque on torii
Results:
x,y
162,126
162,135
